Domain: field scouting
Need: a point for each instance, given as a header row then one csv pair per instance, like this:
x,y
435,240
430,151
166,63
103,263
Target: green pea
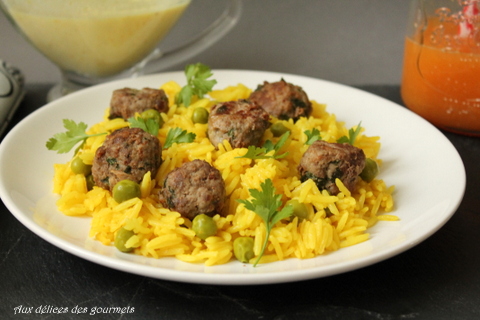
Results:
x,y
243,249
152,114
278,129
121,238
79,167
200,115
90,182
299,209
204,226
370,171
125,190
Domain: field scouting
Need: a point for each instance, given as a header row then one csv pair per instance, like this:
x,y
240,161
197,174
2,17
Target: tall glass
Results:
x,y
441,70
93,41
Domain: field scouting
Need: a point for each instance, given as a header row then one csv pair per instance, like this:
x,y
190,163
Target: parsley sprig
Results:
x,y
254,152
352,135
149,125
266,203
76,132
197,83
177,135
312,136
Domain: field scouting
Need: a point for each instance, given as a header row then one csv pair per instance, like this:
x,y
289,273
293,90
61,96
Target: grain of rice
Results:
x,y
387,217
354,240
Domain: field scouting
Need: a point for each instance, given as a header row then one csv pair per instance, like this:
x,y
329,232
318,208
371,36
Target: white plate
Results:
x,y
423,165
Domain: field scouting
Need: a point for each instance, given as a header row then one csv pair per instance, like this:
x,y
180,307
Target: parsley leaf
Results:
x,y
352,135
265,203
149,125
64,142
178,135
197,83
254,152
312,136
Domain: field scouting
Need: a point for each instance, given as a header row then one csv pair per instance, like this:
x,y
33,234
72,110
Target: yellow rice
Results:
x,y
334,221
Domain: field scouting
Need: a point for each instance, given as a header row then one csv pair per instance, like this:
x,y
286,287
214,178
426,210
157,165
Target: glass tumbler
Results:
x,y
441,68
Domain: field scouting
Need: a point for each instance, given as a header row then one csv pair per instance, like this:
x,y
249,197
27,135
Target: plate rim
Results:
x,y
215,278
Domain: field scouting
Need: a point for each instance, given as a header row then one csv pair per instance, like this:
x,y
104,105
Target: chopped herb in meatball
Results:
x,y
324,162
127,101
282,100
126,154
194,188
241,122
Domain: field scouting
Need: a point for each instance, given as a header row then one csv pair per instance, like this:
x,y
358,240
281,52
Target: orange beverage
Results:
x,y
441,75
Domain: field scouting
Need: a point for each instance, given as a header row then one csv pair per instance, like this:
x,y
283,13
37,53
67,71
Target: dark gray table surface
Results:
x,y
437,279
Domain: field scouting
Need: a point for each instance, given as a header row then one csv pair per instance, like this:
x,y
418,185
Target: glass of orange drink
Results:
x,y
441,68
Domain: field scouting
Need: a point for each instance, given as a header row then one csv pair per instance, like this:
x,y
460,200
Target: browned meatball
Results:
x,y
241,122
125,102
282,100
127,153
194,188
323,162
